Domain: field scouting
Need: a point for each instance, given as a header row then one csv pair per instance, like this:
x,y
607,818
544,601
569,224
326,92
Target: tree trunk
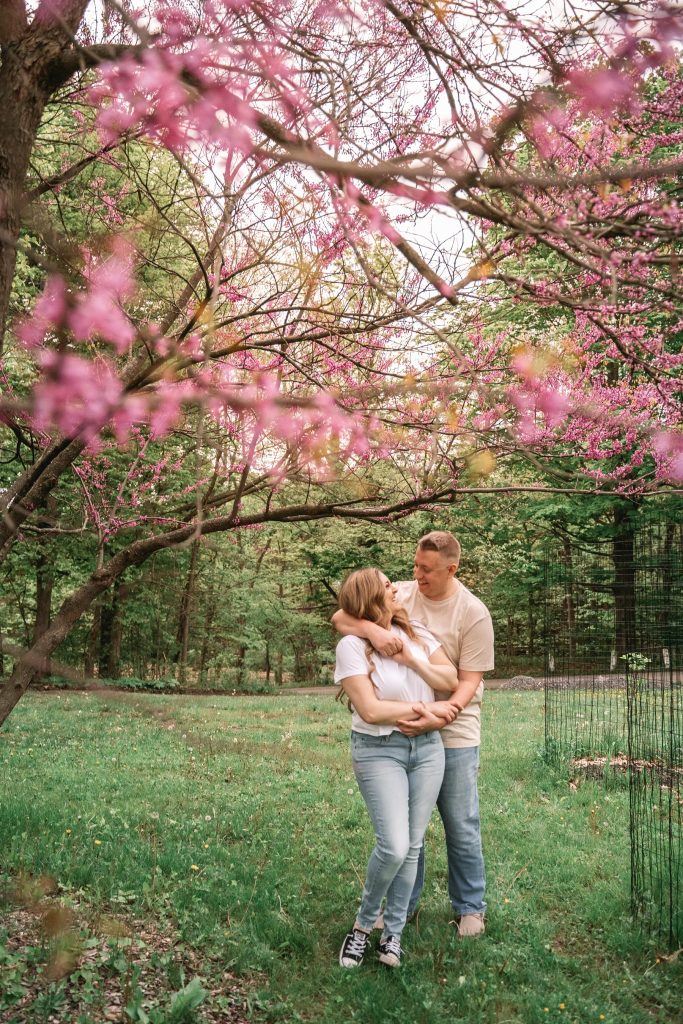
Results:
x,y
92,653
44,581
569,601
32,488
183,634
116,631
110,633
60,627
279,655
208,622
210,611
241,666
624,580
33,68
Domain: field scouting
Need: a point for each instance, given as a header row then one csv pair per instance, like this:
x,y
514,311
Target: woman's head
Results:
x,y
368,594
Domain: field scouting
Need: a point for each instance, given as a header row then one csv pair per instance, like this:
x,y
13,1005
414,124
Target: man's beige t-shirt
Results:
x,y
462,624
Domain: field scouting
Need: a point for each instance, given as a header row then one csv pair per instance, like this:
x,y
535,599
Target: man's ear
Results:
x,y
452,569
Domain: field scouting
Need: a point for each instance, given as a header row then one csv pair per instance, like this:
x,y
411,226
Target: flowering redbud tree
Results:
x,y
360,189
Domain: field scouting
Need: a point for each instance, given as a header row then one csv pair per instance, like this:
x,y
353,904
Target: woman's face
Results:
x,y
389,595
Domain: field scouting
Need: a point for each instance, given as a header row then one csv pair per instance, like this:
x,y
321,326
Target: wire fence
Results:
x,y
614,696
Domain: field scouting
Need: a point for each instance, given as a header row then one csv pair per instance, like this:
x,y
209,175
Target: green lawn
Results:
x,y
226,837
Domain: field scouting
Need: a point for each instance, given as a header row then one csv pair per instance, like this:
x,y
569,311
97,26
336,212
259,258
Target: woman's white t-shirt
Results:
x,y
392,680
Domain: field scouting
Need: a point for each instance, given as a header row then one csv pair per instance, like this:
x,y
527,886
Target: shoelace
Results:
x,y
392,945
357,944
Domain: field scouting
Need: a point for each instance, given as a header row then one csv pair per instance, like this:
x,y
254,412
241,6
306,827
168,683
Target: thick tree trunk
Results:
x,y
33,487
32,68
60,627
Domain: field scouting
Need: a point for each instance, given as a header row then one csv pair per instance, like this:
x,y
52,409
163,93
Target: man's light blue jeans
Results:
x,y
399,778
458,805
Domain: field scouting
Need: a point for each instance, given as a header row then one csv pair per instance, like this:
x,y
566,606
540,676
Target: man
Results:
x,y
462,624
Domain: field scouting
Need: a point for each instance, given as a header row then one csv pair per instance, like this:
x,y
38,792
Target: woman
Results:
x,y
399,776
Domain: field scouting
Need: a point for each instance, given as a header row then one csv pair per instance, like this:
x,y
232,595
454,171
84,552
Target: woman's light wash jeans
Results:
x,y
458,805
399,778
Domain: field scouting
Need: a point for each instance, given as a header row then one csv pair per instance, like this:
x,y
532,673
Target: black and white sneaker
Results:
x,y
390,951
353,948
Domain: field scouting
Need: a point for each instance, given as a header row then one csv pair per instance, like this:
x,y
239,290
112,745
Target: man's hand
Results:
x,y
426,721
430,717
444,709
384,641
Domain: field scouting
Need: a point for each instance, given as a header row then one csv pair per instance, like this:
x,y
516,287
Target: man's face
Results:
x,y
434,574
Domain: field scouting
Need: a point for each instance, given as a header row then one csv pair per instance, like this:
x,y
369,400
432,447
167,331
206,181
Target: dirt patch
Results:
x,y
70,959
596,767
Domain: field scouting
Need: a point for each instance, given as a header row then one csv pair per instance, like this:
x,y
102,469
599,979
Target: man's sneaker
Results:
x,y
390,951
353,948
470,925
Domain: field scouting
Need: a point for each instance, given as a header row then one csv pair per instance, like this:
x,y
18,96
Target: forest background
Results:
x,y
237,337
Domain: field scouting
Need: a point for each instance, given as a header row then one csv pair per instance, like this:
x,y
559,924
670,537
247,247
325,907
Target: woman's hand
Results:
x,y
404,656
430,718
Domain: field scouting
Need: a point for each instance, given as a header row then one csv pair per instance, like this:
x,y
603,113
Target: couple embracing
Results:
x,y
411,752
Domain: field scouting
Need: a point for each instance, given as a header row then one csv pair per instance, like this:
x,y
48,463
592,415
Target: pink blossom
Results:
x,y
553,404
75,395
48,313
603,90
97,312
668,446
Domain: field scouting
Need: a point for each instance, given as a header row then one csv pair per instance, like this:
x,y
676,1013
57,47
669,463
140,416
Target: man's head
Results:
x,y
436,562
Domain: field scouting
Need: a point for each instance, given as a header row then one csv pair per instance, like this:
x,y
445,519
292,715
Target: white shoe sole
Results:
x,y
389,960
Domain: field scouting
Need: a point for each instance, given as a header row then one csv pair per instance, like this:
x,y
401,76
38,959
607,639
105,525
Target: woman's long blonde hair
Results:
x,y
362,595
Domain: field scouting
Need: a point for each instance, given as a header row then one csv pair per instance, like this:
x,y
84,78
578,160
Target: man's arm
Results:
x,y
383,640
468,684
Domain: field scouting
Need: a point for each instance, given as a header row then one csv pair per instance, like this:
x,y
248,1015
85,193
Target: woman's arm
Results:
x,y
361,693
459,699
439,672
383,640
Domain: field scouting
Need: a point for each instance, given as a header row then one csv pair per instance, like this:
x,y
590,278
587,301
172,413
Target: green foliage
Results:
x,y
186,1001
149,685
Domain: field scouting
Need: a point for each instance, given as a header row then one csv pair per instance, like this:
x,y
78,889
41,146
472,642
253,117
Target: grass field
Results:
x,y
169,859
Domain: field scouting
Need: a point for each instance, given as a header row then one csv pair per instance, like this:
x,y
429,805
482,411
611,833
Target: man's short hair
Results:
x,y
443,542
